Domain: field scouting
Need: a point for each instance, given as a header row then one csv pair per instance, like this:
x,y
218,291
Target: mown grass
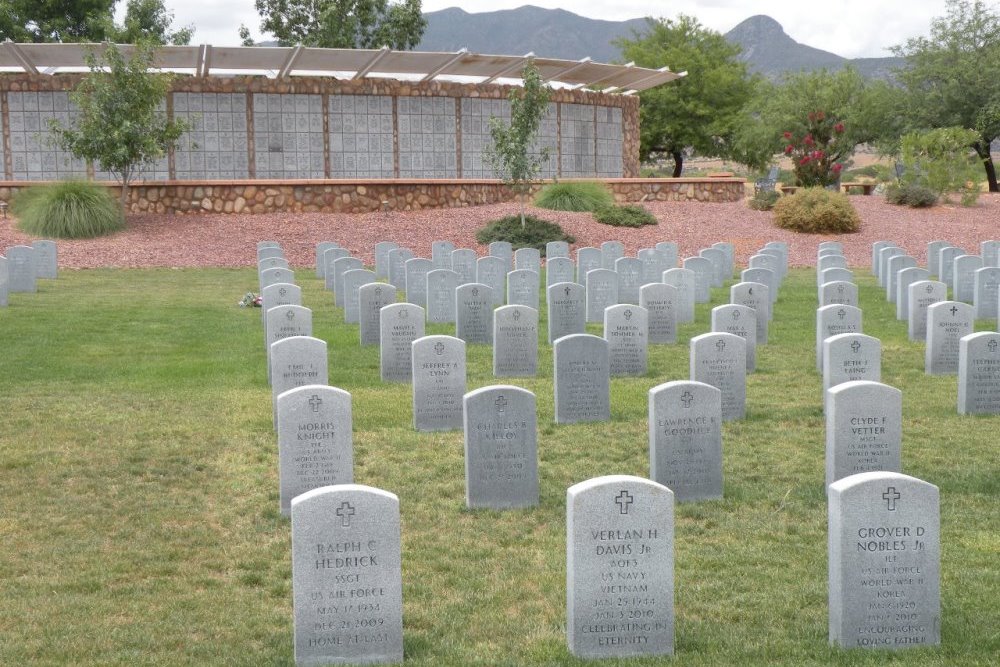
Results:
x,y
140,520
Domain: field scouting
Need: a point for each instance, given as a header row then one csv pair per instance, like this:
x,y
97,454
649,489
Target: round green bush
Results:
x,y
535,233
764,200
624,216
67,210
577,196
816,211
910,194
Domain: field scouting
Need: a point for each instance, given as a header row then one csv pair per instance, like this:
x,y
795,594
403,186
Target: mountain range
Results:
x,y
557,33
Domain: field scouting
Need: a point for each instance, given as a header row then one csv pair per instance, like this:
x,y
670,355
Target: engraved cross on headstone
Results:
x,y
516,315
628,315
439,348
929,289
289,316
736,315
992,345
720,345
856,347
501,403
953,310
841,313
315,402
345,512
890,497
624,499
686,399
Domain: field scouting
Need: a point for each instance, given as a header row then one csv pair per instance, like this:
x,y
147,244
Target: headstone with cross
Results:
x,y
838,292
330,256
22,265
340,267
757,297
629,270
832,320
963,277
296,361
528,258
347,592
719,360
587,259
556,249
278,294
474,313
397,258
567,310
416,280
626,329
382,249
704,273
720,265
441,286
660,302
654,263
740,321
515,341
581,379
438,383
522,288
851,356
884,552
501,448
947,323
611,251
463,262
683,281
619,530
47,256
827,262
979,374
284,322
602,291
321,249
986,292
351,283
372,297
923,293
765,277
399,325
904,279
492,271
275,275
315,445
685,439
559,270
441,254
864,427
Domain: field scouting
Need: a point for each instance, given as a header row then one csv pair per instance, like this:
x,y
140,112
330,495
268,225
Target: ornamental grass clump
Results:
x,y
578,196
624,216
816,211
68,210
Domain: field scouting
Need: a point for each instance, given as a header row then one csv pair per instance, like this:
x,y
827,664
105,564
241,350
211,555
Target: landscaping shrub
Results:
x,y
580,196
816,211
764,200
910,194
535,233
624,216
68,210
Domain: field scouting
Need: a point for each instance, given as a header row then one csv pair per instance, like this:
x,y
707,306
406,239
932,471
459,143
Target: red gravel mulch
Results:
x,y
230,240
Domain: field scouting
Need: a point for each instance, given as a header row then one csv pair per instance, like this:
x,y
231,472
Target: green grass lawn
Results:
x,y
139,492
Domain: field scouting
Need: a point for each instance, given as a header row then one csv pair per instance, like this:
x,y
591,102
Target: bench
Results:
x,y
866,188
788,189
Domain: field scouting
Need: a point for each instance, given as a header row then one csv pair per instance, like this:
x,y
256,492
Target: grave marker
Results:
x,y
522,288
399,325
685,439
833,320
719,261
740,321
372,297
474,313
581,379
660,302
340,267
352,280
764,277
441,286
934,256
838,292
922,294
463,262
653,265
851,356
416,280
611,251
963,275
979,374
864,429
719,360
330,256
602,292
755,296
986,291
626,329
559,270
321,248
382,249
587,259
22,270
438,383
505,251
670,253
528,258
703,276
515,341
683,281
492,272
4,281
293,362
397,259
904,279
947,323
47,259
567,310
946,262
441,254
554,249
629,270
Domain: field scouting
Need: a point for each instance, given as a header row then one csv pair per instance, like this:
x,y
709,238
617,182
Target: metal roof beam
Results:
x,y
517,64
21,58
370,65
461,53
569,70
610,76
290,62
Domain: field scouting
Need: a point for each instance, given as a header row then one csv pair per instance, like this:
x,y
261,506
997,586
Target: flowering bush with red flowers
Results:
x,y
815,151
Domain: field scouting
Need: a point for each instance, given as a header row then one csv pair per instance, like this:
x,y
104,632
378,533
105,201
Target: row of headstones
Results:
x,y
883,550
22,266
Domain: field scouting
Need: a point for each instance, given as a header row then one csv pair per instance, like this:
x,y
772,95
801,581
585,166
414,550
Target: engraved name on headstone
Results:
x,y
626,329
719,360
567,310
438,383
399,325
864,428
581,379
685,439
979,374
515,341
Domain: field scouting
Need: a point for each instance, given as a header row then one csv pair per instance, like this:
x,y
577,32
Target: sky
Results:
x,y
849,28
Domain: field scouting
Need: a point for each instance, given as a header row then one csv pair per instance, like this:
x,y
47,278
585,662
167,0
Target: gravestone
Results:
x,y
904,279
780,257
990,252
501,448
272,263
849,357
979,374
504,251
884,552
522,288
441,254
830,262
766,262
685,439
740,321
587,259
398,257
321,248
416,280
581,379
352,281
340,267
280,294
441,286
347,583
660,302
834,245
399,325
47,259
764,277
730,251
669,251
529,259
463,262
946,263
683,281
719,360
284,322
4,282
559,270
876,254
554,249
703,276
372,297
293,362
629,270
986,291
833,320
883,263
602,292
315,445
611,251
828,252
922,294
963,275
934,256
22,270
474,313
331,255
719,261
438,383
619,568
755,296
653,265
492,272
864,429
272,250
274,276
835,275
382,249
626,329
515,341
838,292
567,310
947,323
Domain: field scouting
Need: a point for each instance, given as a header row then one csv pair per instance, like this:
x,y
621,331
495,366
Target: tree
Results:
x,y
121,126
149,20
55,20
699,111
511,154
951,77
342,24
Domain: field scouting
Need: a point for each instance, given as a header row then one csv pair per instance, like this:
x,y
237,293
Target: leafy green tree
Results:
x,y
951,76
341,24
149,20
510,153
699,111
55,20
941,161
121,126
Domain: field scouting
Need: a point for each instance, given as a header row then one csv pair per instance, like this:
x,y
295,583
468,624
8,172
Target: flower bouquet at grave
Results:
x,y
250,299
815,150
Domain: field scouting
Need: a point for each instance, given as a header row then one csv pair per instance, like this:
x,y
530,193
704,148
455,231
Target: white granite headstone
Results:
x,y
438,383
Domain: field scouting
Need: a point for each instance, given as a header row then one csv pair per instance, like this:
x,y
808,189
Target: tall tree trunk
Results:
x,y
983,151
678,163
